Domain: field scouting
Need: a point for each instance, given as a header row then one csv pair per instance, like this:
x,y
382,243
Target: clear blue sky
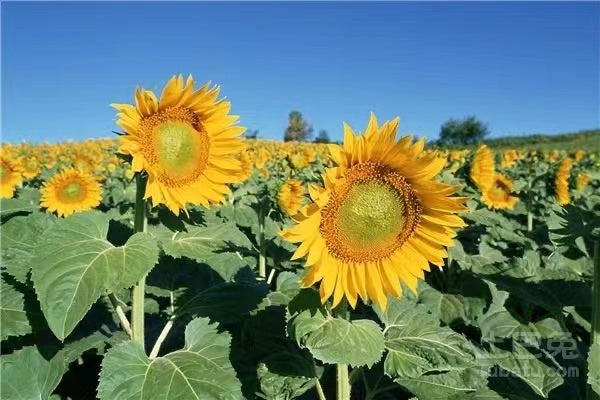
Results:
x,y
522,67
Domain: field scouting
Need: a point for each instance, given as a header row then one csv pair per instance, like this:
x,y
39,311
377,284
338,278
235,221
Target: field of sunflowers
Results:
x,y
179,261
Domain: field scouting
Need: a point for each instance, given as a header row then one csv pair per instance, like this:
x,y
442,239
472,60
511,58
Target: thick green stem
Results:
x,y
343,379
529,221
343,382
137,295
595,331
262,257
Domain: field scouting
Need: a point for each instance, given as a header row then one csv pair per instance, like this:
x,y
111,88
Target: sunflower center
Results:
x,y
176,142
370,214
176,145
31,164
72,191
499,190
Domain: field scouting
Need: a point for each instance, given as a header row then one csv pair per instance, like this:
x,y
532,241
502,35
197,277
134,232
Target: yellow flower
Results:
x,y
509,158
482,168
186,142
579,154
582,181
70,191
10,177
381,218
262,158
291,195
298,160
31,167
246,165
83,163
498,194
561,182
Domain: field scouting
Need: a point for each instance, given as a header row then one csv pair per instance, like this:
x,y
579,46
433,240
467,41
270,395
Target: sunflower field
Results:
x,y
180,261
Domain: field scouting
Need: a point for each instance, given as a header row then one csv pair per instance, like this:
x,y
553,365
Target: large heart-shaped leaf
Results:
x,y
75,264
333,340
27,375
201,370
417,344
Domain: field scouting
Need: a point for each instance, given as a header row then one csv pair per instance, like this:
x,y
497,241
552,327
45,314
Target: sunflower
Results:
x,y
579,154
83,163
498,194
482,168
380,219
10,177
31,167
561,182
291,195
582,181
186,142
69,191
246,165
509,158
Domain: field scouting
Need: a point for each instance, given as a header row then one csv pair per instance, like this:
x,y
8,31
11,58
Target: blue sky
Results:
x,y
521,67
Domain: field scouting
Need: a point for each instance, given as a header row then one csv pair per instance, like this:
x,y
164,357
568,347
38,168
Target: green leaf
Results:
x,y
26,375
526,366
285,375
333,340
220,246
20,236
14,206
417,345
594,368
444,386
450,307
570,225
201,370
199,291
287,286
13,317
75,265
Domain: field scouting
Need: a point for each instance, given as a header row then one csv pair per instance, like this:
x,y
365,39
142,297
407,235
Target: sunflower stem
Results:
x,y
319,389
137,295
529,221
343,379
595,331
343,382
262,257
120,313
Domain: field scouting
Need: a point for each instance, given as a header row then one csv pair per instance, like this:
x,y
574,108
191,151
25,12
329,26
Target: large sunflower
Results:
x,y
561,182
10,177
498,194
482,168
186,142
70,191
291,195
380,219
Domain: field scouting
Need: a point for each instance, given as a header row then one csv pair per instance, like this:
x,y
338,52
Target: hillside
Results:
x,y
586,139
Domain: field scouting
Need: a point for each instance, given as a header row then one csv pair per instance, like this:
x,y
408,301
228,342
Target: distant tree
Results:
x,y
251,133
298,128
462,132
322,137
